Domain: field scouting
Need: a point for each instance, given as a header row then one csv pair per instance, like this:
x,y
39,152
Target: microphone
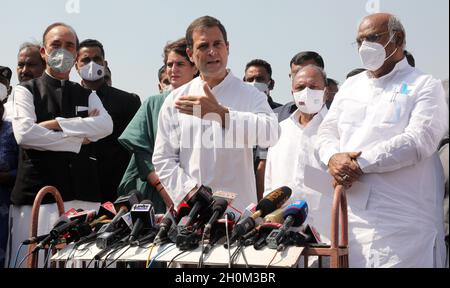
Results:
x,y
166,224
78,232
263,231
275,217
122,205
268,204
199,200
35,239
84,216
83,228
143,216
69,224
294,215
107,237
219,230
272,201
107,209
219,207
63,224
183,209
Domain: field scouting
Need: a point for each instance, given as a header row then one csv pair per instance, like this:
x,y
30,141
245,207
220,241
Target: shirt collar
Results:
x,y
295,117
400,66
53,81
224,82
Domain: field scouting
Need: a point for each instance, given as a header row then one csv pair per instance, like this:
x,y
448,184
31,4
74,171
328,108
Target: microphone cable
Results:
x,y
243,255
17,255
90,262
76,248
47,257
176,256
149,255
275,255
228,240
114,248
234,255
24,258
173,246
201,259
118,257
239,250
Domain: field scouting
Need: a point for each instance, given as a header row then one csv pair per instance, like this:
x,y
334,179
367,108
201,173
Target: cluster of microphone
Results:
x,y
201,219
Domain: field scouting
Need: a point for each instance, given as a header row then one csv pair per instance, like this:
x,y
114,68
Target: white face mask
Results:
x,y
263,87
60,60
309,101
3,92
373,55
92,71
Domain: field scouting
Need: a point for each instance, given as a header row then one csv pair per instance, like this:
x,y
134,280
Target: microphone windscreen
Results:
x,y
182,210
298,210
275,217
84,229
274,200
107,209
220,205
127,200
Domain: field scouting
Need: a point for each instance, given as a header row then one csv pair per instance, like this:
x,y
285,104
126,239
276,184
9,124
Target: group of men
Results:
x,y
382,130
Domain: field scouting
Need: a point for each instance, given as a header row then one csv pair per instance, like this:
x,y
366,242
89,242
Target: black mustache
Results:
x,y
22,76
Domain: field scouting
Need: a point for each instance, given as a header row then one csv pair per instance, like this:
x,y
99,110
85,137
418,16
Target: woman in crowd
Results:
x,y
139,137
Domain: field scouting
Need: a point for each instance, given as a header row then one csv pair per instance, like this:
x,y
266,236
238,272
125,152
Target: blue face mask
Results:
x,y
60,60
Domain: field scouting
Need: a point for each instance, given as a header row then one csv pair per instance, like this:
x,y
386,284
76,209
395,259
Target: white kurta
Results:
x,y
190,151
30,135
397,122
286,163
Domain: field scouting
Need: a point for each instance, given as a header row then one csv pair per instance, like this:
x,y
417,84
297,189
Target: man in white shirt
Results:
x,y
54,122
383,130
207,139
295,149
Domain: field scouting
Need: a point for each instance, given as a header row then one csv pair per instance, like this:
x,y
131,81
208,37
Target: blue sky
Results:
x,y
135,31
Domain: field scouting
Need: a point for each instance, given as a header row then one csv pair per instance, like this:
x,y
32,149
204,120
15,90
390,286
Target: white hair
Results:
x,y
395,25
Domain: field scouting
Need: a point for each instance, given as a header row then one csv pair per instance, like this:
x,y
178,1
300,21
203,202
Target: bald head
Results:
x,y
376,19
383,22
385,31
310,76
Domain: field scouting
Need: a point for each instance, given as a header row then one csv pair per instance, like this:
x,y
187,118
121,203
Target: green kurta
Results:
x,y
139,138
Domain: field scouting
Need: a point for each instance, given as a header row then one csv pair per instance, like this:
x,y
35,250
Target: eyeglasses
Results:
x,y
369,38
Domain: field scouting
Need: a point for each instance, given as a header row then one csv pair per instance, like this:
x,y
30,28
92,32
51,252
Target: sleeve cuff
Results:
x,y
326,156
363,164
74,144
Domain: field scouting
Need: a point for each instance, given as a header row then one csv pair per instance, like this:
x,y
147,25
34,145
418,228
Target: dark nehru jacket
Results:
x,y
113,158
74,175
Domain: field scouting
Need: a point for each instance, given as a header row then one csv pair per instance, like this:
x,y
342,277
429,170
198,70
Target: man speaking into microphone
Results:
x,y
208,127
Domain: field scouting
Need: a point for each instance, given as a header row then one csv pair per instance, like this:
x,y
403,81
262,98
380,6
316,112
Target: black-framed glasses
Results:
x,y
369,38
